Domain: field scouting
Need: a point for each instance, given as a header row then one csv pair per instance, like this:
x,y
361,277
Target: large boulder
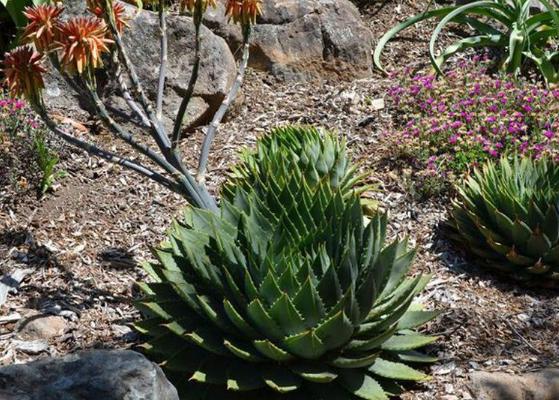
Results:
x,y
88,375
302,39
541,385
217,72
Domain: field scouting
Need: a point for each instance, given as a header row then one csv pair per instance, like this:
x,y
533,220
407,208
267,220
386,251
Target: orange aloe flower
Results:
x,y
82,42
23,70
243,11
190,5
97,7
42,25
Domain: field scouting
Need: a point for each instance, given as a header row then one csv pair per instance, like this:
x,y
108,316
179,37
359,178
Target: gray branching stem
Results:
x,y
176,176
212,128
193,78
125,136
159,134
126,92
104,154
162,59
185,184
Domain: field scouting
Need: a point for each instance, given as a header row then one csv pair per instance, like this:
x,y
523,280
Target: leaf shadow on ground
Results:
x,y
27,254
117,257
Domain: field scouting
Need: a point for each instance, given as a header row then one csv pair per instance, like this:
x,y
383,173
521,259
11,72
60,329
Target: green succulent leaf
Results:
x,y
395,370
407,342
314,373
415,357
356,362
413,319
272,351
513,26
281,380
239,379
513,205
362,385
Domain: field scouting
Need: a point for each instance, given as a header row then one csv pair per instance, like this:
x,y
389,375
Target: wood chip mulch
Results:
x,y
81,244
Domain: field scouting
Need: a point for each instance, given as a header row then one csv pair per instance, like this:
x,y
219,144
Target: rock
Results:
x,y
87,375
304,39
377,104
41,327
217,71
541,385
10,282
30,346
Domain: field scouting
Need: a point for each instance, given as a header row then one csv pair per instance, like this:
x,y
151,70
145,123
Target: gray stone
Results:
x,y
541,385
39,326
30,346
304,39
87,375
217,72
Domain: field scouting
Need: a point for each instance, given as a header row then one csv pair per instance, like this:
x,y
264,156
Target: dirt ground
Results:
x,y
82,243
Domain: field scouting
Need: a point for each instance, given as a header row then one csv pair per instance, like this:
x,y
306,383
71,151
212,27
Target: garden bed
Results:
x,y
82,243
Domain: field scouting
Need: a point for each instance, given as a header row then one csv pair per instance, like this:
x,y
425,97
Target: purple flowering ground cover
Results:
x,y
448,125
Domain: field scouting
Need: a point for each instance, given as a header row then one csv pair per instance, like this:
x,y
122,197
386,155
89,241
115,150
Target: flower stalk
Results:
x,y
94,150
163,59
193,76
218,117
125,91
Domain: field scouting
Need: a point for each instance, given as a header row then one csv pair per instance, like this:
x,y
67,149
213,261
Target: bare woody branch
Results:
x,y
191,85
104,154
126,93
163,59
212,129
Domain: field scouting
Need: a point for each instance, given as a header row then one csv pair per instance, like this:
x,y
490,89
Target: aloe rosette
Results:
x,y
507,215
517,28
287,291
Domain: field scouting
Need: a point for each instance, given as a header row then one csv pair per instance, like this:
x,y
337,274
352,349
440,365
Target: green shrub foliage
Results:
x,y
507,215
287,292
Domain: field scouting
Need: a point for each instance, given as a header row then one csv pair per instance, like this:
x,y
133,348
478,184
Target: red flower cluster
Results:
x,y
243,11
24,69
77,43
81,43
97,7
190,5
41,28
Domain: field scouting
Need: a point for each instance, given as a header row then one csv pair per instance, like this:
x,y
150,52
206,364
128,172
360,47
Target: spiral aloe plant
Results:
x,y
507,215
288,292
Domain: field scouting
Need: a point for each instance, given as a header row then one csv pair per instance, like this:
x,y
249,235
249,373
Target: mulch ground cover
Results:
x,y
82,243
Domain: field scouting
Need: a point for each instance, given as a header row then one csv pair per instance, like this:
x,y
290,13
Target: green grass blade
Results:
x,y
553,12
449,18
402,26
470,42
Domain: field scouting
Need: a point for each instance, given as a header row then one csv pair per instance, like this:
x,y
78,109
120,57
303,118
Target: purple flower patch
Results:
x,y
471,116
